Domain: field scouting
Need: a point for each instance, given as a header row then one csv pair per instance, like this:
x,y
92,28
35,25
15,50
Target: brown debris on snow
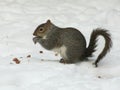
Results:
x,y
16,60
28,56
41,51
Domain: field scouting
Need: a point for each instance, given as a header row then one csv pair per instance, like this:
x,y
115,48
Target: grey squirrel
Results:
x,y
70,42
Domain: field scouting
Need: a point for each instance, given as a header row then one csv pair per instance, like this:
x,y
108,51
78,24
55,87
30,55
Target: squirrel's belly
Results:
x,y
56,50
61,50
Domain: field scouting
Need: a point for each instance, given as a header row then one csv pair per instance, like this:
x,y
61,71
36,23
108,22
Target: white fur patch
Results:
x,y
56,50
61,51
45,37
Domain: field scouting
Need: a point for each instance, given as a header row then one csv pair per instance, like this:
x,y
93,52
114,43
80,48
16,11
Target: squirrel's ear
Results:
x,y
48,21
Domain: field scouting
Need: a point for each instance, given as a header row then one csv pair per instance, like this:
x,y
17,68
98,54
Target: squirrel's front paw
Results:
x,y
35,39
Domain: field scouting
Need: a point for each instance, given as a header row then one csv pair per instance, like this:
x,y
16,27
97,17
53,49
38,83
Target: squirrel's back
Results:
x,y
72,36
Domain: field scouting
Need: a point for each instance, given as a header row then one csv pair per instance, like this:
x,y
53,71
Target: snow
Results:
x,y
42,71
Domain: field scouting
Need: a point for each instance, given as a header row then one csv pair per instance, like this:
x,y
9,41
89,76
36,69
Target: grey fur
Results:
x,y
69,37
72,39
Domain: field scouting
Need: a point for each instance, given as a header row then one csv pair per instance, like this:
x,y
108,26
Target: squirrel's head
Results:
x,y
43,29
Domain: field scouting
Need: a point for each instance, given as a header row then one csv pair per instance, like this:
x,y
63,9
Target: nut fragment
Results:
x,y
28,56
17,61
99,77
41,51
56,54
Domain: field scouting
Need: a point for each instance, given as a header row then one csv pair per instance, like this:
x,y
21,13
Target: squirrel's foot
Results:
x,y
62,60
35,39
95,64
65,61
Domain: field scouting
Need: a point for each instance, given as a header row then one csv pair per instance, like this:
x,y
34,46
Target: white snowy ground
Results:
x,y
18,20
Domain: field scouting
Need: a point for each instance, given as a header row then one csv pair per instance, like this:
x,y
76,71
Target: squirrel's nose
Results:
x,y
34,34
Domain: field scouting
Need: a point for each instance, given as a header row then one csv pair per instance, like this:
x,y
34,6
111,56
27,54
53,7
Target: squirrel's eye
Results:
x,y
41,29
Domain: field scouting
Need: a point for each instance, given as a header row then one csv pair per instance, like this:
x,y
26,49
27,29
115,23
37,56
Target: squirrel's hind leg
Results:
x,y
69,55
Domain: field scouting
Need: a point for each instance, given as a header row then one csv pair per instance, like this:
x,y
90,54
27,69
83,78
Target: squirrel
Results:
x,y
70,42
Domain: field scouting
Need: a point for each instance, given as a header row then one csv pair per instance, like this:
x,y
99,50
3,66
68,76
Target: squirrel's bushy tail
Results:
x,y
92,45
